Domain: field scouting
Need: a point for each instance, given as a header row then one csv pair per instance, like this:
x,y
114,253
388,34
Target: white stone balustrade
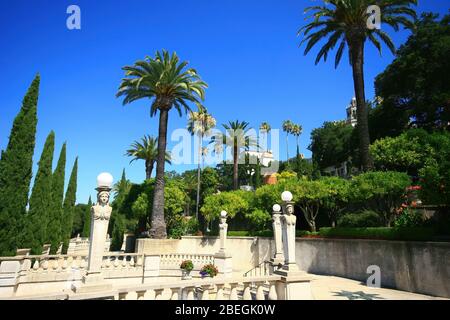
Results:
x,y
172,261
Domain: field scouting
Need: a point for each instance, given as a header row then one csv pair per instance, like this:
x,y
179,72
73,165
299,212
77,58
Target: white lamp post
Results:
x,y
100,215
278,258
288,221
223,259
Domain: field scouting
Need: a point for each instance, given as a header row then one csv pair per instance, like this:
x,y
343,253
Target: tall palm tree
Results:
x,y
346,23
297,130
265,127
147,150
167,83
287,127
237,137
200,123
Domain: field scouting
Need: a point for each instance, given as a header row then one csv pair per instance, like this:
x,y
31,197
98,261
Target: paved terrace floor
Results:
x,y
335,288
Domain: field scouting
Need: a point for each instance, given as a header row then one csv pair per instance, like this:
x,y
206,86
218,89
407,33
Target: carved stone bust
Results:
x,y
102,210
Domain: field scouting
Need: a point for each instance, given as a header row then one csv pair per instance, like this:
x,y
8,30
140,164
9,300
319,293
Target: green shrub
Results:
x,y
384,233
383,192
365,218
409,218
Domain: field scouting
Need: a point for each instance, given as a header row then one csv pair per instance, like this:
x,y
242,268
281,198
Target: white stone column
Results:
x,y
288,221
223,259
100,215
278,258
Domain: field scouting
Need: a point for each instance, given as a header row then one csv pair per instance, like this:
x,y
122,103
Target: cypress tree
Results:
x,y
87,220
54,235
16,171
69,207
37,218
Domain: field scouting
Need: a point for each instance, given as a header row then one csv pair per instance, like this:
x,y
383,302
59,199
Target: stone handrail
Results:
x,y
173,260
246,288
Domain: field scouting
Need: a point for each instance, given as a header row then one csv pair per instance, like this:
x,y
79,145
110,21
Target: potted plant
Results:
x,y
209,270
186,267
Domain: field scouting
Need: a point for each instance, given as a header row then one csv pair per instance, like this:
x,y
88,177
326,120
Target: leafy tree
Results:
x,y
337,199
200,123
382,191
310,196
78,219
331,144
146,150
168,84
16,171
37,219
87,220
233,202
416,82
435,175
69,206
385,121
237,137
346,23
54,235
407,152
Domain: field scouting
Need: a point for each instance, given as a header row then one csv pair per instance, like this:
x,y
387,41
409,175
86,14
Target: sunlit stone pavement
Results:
x,y
335,288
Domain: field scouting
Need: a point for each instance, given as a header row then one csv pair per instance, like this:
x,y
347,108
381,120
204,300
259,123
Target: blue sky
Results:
x,y
245,50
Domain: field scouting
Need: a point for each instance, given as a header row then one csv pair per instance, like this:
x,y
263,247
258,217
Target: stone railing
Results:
x,y
18,274
172,261
256,288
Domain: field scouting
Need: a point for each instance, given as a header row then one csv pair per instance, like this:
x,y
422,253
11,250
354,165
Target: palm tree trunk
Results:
x,y
287,148
158,228
148,169
198,175
357,52
235,167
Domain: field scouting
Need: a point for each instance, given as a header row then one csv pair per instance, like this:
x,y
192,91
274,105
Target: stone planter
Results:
x,y
185,274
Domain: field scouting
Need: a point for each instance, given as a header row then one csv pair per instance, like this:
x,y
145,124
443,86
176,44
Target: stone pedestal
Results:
x,y
224,262
296,287
9,271
223,259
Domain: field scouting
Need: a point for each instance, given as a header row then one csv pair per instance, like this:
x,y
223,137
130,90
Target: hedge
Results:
x,y
380,233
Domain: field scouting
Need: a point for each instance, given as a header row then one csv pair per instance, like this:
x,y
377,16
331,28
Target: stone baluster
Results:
x,y
205,293
175,294
159,294
140,261
260,291
189,292
219,294
233,291
45,264
272,291
247,295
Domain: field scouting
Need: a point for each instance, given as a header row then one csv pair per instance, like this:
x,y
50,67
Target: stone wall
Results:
x,y
421,267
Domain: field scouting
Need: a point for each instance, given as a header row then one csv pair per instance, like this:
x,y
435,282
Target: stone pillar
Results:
x,y
278,258
100,215
288,221
223,259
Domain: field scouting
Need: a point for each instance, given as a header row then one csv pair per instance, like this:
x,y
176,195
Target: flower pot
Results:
x,y
185,274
